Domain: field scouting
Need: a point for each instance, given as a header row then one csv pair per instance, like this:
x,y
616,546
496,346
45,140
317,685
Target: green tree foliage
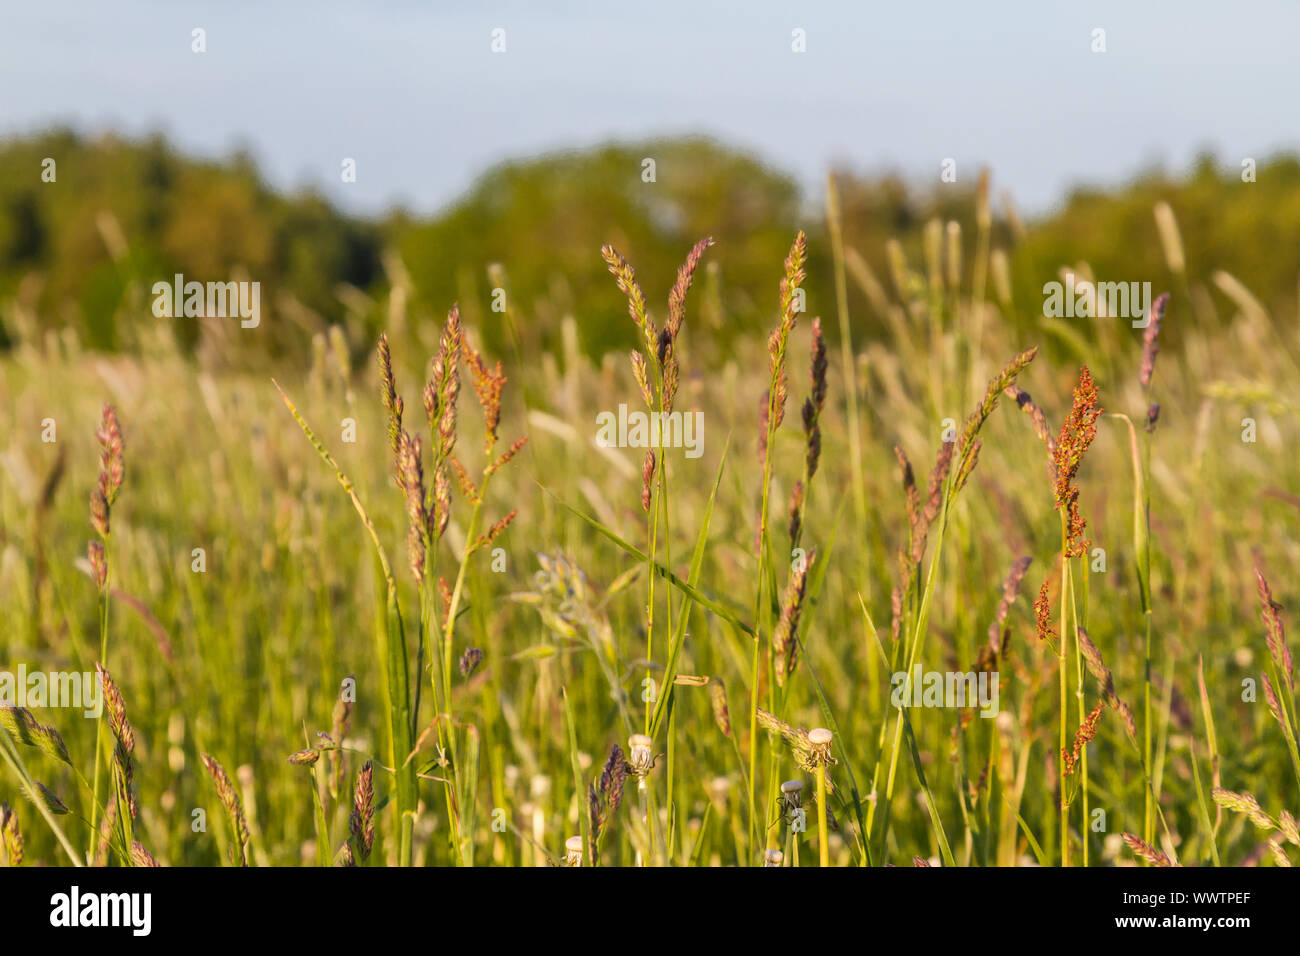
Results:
x,y
84,251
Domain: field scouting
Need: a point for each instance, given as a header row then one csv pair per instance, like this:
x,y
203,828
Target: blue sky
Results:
x,y
413,92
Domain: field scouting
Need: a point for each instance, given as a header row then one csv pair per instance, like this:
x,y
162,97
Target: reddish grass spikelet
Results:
x,y
361,822
142,857
1077,433
467,486
410,472
1086,732
507,456
112,470
116,708
1010,591
442,392
909,486
98,564
718,702
677,297
493,532
1274,705
1043,615
1147,852
933,502
439,511
1275,632
785,639
647,478
796,514
488,384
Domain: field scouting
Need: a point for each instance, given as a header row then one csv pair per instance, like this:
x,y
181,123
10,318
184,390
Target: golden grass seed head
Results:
x,y
22,724
10,835
718,702
142,857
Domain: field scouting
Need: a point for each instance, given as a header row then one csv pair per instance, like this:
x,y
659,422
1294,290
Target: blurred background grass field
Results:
x,y
248,655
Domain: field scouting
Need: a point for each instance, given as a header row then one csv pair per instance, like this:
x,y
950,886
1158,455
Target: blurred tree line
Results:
x,y
125,214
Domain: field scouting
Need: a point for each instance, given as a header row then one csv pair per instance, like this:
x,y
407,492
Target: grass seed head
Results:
x,y
677,297
42,795
625,276
142,857
1275,632
391,401
647,477
26,729
1010,591
718,701
1099,670
233,806
1147,852
785,639
98,564
10,836
1077,433
361,823
305,758
1150,339
470,660
1243,803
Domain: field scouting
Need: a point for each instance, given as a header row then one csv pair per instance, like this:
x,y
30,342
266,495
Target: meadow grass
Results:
x,y
618,656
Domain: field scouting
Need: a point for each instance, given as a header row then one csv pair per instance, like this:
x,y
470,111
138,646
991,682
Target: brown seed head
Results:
x,y
234,807
1275,632
718,701
677,297
1077,433
361,823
